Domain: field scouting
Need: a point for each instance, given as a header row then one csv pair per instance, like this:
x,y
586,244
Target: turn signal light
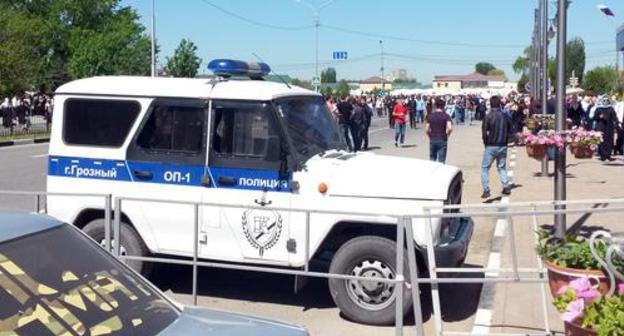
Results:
x,y
322,188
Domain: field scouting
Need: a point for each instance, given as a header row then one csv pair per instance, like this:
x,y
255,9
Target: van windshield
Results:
x,y
309,125
58,282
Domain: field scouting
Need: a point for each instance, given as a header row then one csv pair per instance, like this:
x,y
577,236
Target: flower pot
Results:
x,y
562,276
537,152
583,152
573,329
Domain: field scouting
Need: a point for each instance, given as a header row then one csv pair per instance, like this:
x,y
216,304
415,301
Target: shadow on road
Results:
x,y
458,301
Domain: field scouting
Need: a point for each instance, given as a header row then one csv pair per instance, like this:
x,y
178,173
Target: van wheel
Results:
x,y
131,243
369,302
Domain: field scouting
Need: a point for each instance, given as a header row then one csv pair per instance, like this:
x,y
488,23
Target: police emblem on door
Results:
x,y
262,228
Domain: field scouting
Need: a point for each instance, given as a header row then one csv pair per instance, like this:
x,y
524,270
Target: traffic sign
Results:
x,y
340,55
316,81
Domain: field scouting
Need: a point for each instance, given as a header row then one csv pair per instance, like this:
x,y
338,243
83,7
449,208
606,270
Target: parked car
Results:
x,y
55,280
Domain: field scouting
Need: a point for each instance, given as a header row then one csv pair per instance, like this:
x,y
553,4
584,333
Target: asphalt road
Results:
x,y
24,168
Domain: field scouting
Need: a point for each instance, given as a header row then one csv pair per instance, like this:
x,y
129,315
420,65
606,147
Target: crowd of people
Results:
x,y
503,121
17,112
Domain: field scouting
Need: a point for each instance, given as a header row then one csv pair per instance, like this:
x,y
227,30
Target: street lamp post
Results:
x,y
153,68
316,11
560,120
383,82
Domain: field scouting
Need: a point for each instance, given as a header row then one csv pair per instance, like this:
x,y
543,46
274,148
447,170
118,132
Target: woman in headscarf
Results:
x,y
605,121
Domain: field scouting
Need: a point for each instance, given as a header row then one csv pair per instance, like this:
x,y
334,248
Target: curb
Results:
x,y
23,142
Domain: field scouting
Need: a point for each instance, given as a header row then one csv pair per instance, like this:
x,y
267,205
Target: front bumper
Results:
x,y
452,251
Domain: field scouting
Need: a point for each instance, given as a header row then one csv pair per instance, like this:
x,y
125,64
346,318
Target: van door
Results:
x,y
166,160
247,151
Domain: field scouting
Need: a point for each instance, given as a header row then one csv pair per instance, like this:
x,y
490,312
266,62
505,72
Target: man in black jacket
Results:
x,y
496,131
345,108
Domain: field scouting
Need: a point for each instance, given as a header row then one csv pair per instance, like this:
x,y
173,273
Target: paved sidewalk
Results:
x,y
518,307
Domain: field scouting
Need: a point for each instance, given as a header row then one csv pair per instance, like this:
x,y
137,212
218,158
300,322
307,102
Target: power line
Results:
x,y
253,22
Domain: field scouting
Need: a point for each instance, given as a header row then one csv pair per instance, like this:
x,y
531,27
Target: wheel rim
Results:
x,y
122,249
372,295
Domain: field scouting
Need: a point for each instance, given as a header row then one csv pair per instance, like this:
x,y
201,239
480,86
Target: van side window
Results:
x,y
173,129
98,122
244,135
172,132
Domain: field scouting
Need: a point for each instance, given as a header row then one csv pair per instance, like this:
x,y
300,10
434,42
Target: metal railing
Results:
x,y
29,126
404,227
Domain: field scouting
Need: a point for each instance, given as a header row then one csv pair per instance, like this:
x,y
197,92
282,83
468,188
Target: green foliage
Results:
x,y
185,62
600,80
483,68
523,62
496,72
522,82
328,75
327,91
606,316
44,43
571,252
302,84
575,58
342,89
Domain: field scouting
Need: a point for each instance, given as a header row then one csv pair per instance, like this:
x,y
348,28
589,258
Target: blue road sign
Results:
x,y
340,55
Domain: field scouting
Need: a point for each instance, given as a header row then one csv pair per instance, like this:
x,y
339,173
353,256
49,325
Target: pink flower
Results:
x,y
589,295
541,141
562,290
574,310
621,289
581,285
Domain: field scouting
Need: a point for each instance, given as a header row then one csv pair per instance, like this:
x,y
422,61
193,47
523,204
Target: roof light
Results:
x,y
229,67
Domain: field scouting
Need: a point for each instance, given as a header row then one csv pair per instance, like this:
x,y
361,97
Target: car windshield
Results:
x,y
309,125
58,282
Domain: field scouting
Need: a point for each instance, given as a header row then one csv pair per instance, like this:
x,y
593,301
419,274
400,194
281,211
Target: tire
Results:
x,y
372,256
131,243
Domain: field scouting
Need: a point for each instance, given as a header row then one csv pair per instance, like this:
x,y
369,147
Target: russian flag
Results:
x,y
606,10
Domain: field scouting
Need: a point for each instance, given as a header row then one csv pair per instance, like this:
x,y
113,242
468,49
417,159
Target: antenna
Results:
x,y
278,76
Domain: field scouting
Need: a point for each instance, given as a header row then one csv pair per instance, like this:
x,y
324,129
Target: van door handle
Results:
x,y
227,180
143,174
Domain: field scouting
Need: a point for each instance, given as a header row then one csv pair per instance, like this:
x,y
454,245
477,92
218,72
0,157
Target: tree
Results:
x,y
327,91
302,84
185,61
523,62
69,39
496,72
575,58
522,82
342,89
483,68
328,75
600,80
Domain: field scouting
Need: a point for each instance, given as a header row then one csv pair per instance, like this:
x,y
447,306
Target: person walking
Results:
x,y
345,109
379,106
412,113
496,131
399,114
358,123
420,110
606,121
368,114
438,128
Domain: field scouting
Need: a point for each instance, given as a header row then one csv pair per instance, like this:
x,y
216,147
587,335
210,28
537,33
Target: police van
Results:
x,y
247,147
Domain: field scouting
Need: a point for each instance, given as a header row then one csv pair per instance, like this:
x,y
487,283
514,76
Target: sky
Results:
x,y
424,37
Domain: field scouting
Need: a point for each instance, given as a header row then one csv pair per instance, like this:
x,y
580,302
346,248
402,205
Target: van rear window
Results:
x,y
98,122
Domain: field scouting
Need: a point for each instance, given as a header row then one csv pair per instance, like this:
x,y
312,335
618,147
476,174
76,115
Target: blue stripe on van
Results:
x,y
162,173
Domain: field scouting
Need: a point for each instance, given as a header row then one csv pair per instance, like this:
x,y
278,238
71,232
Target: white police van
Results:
x,y
243,144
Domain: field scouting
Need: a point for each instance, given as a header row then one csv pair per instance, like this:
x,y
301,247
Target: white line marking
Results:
x,y
510,173
501,226
482,322
18,147
494,262
512,164
39,156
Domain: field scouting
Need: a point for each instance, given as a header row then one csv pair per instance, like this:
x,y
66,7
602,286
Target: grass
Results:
x,y
31,135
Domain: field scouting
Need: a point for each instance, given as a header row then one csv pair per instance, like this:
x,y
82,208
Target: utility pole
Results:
x,y
560,121
544,59
154,74
383,81
535,58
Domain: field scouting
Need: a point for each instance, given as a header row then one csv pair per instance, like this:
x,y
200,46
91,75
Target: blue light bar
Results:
x,y
229,67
